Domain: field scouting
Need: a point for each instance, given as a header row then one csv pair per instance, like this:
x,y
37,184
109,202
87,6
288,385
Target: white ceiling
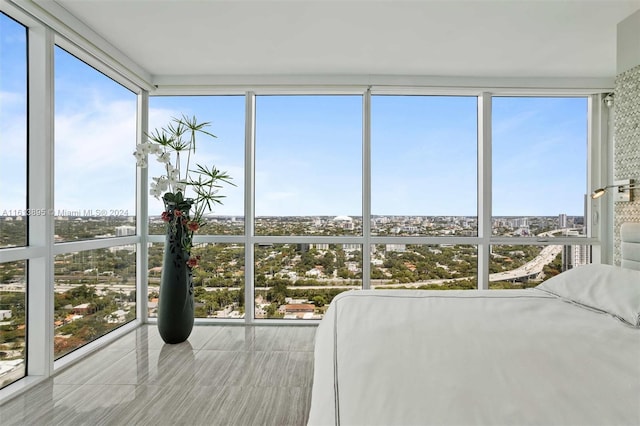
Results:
x,y
479,38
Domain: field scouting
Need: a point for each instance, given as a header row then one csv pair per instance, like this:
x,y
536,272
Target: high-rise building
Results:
x,y
562,221
125,230
521,222
575,255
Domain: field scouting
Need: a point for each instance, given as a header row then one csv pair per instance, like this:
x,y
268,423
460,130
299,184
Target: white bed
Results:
x,y
564,353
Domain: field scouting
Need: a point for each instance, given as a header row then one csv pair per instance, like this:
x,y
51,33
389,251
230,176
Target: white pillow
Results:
x,y
606,288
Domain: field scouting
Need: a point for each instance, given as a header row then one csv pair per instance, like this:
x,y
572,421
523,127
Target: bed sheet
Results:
x,y
498,357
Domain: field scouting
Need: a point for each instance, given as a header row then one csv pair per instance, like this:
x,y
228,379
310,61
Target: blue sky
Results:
x,y
308,148
13,104
423,155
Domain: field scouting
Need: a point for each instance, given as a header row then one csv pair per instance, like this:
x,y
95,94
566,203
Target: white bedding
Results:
x,y
495,357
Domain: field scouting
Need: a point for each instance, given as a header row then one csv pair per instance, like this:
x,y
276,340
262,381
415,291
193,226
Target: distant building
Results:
x,y
353,266
521,222
117,317
125,230
83,309
299,311
575,255
562,221
396,247
5,314
345,222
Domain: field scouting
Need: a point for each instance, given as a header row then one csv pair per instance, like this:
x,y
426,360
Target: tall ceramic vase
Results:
x,y
176,304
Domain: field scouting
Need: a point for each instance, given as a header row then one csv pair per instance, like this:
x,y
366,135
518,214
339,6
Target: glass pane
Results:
x,y
539,166
523,266
426,267
226,152
308,165
298,281
95,292
95,134
218,280
155,253
424,165
13,301
13,133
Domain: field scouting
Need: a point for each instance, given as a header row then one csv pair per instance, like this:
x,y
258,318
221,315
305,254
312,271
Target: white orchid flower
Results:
x,y
155,148
141,161
164,182
174,174
143,148
155,191
161,182
141,156
164,157
173,182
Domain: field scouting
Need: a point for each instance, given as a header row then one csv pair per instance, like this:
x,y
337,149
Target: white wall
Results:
x,y
628,43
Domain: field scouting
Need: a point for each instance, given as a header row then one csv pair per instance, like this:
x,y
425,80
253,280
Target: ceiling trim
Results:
x,y
236,84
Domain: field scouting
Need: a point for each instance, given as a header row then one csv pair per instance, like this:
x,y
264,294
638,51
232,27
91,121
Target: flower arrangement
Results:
x,y
173,146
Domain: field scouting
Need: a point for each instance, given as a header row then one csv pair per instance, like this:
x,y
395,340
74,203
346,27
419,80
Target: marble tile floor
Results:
x,y
223,375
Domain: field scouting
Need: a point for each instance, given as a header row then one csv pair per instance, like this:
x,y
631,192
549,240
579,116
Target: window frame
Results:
x,y
24,252
58,248
482,241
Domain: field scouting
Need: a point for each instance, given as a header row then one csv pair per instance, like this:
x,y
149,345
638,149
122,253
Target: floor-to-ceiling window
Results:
x,y
424,166
94,204
308,183
219,278
14,213
408,190
539,174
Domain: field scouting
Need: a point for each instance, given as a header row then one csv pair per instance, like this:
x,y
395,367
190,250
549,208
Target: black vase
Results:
x,y
175,304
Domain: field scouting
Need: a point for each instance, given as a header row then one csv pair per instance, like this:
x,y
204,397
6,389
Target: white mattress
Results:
x,y
495,357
